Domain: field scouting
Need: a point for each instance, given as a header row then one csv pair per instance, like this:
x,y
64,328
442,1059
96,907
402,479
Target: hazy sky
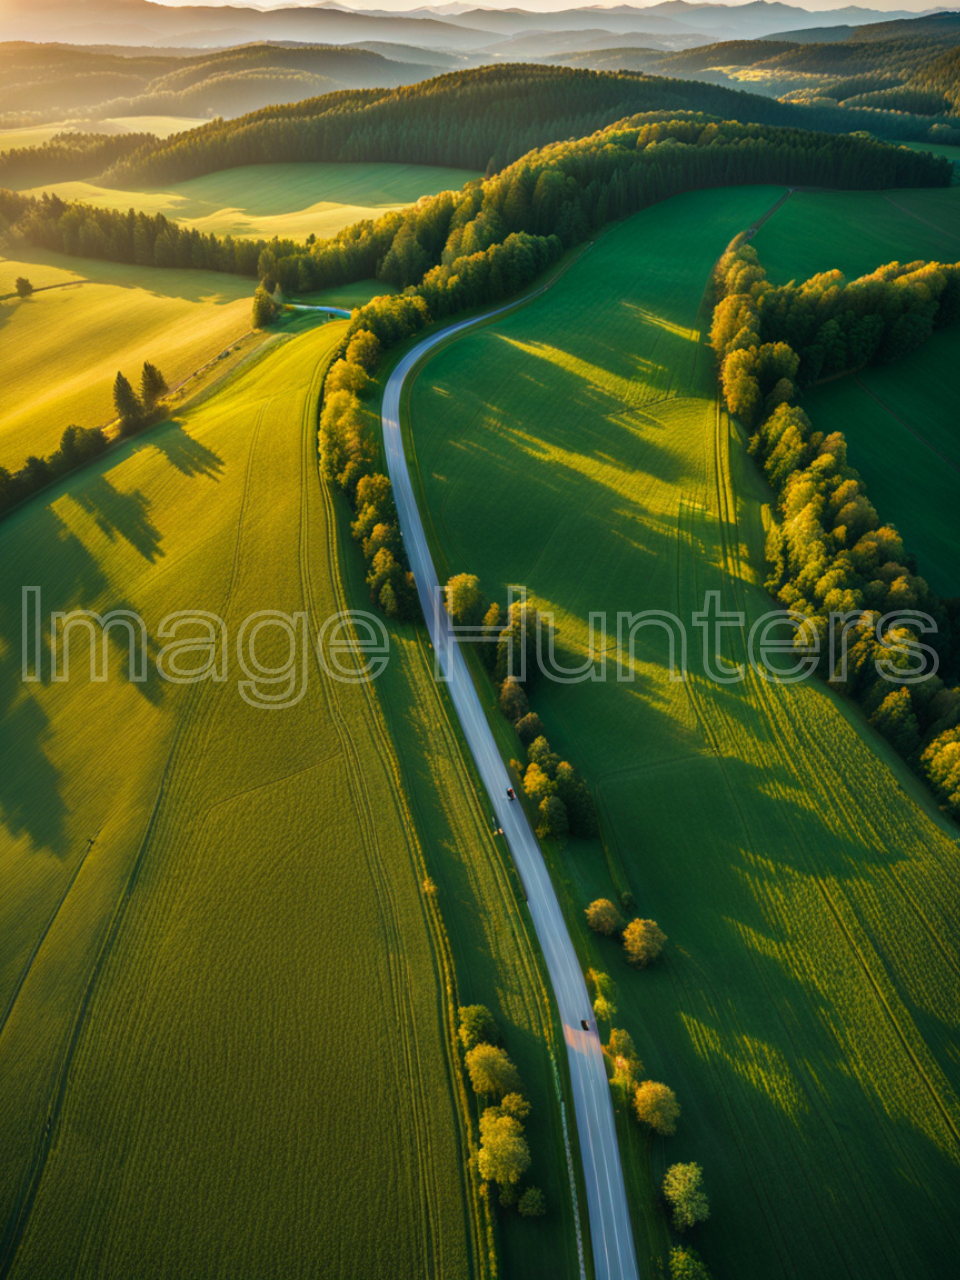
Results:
x,y
542,6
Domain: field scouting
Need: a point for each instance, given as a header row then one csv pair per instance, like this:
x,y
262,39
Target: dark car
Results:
x,y
510,794
584,1024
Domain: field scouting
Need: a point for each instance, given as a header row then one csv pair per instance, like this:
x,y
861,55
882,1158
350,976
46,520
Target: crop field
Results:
x,y
808,1008
224,1036
99,317
901,419
267,200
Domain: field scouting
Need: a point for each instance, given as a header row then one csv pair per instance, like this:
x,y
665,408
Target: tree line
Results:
x,y
79,445
141,239
480,119
474,246
829,553
504,1155
347,441
565,190
654,1104
68,155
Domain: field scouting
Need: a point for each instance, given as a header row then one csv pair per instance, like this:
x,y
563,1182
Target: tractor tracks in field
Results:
x,y
731,566
187,730
903,422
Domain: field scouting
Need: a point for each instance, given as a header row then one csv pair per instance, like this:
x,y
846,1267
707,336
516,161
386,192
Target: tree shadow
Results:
x,y
190,456
120,515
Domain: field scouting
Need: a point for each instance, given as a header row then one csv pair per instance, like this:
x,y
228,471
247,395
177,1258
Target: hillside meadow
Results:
x,y
87,320
194,325
807,1008
900,420
37,135
225,1000
286,200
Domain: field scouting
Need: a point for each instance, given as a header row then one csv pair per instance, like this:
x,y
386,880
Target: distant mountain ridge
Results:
x,y
452,27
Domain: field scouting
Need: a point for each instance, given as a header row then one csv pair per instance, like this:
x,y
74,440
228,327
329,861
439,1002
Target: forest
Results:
x,y
564,190
908,73
831,559
482,119
68,155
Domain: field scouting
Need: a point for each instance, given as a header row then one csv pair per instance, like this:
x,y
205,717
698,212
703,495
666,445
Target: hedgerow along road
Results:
x,y
613,1249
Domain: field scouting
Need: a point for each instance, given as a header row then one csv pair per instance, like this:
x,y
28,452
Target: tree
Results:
x,y
516,1105
656,1105
603,917
552,818
626,1061
686,1264
477,1026
513,700
128,407
539,753
683,1191
504,1156
464,599
344,376
533,1203
643,940
153,385
264,308
491,1071
529,727
23,287
364,349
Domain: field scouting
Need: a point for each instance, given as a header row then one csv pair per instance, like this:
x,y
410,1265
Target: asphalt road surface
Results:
x,y
613,1250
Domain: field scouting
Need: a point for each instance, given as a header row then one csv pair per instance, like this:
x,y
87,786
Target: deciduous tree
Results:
x,y
656,1105
643,941
683,1191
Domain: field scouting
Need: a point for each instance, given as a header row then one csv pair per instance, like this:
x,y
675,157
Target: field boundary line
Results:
x,y
903,422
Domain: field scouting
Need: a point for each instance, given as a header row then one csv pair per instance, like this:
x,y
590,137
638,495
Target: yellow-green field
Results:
x,y
67,342
225,1045
37,135
267,200
900,420
808,1008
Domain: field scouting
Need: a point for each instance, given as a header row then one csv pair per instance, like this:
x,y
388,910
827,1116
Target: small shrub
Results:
x,y
533,1203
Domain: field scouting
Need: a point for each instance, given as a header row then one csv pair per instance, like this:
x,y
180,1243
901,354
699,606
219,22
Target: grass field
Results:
x,y
88,319
71,340
223,993
900,420
808,1008
268,200
37,135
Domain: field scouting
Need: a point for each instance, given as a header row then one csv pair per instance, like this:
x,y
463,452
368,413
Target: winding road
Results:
x,y
613,1248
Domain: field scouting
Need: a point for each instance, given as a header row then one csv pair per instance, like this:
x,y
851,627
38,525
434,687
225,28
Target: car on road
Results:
x,y
511,795
584,1024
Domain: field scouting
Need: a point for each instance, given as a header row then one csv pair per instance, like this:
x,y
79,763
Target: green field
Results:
x,y
900,420
267,200
808,1009
230,1005
244,962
